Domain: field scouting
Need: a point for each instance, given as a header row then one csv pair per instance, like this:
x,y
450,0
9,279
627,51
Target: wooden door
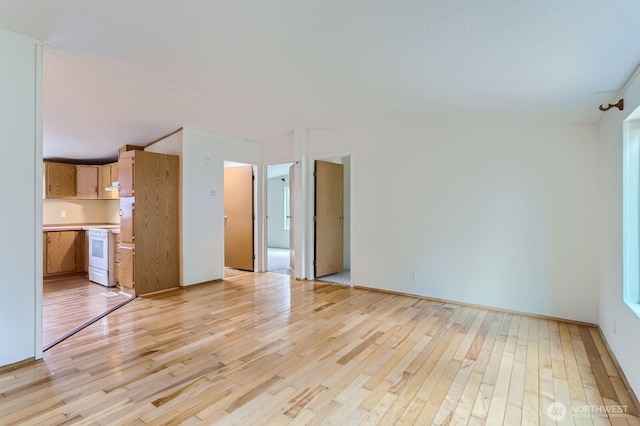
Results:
x,y
238,217
126,269
60,180
292,244
87,182
329,218
104,180
126,220
107,174
126,175
61,252
114,178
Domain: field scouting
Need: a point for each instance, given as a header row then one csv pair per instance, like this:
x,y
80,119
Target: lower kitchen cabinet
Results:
x,y
116,256
126,271
64,252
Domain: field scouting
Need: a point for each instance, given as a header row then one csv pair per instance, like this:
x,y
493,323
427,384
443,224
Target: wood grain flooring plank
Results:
x,y
597,365
462,413
264,349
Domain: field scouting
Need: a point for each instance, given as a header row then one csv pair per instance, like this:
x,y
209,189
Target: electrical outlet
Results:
x,y
63,213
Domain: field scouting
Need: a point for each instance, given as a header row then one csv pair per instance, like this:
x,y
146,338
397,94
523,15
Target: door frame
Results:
x,y
264,252
310,228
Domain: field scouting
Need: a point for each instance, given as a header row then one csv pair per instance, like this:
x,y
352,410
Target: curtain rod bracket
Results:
x,y
619,105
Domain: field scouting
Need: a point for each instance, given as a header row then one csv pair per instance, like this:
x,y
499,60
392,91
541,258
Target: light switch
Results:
x,y
63,213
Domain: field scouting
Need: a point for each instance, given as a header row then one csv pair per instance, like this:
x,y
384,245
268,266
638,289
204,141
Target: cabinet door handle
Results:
x,y
120,212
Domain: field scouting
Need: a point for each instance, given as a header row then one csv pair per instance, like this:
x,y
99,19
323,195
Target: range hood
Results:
x,y
115,186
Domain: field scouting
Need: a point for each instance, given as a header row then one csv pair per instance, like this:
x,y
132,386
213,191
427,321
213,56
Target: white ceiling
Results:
x,y
120,72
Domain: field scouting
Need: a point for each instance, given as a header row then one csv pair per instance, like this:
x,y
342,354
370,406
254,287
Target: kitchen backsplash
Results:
x,y
63,212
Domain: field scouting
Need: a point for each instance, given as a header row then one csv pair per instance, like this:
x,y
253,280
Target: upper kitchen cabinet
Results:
x,y
87,182
79,182
107,175
126,174
59,180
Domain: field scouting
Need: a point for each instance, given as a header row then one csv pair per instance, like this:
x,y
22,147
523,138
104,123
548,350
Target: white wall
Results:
x,y
113,211
80,212
279,152
496,216
21,225
171,144
203,156
277,236
624,341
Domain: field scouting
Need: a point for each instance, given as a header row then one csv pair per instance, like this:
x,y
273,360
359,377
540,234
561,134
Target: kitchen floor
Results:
x,y
69,302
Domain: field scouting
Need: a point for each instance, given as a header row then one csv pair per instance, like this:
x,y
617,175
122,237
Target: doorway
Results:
x,y
79,285
279,218
332,220
239,218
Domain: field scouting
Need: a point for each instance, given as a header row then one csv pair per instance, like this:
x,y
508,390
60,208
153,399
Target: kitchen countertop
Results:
x,y
113,228
62,228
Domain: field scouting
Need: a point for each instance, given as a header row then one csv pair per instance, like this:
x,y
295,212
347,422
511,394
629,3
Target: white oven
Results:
x,y
100,261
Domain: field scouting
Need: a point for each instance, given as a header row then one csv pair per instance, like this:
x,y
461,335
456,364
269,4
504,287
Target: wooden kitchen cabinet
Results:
x,y
149,251
126,174
63,252
126,269
113,167
116,256
87,182
60,180
107,174
79,182
126,219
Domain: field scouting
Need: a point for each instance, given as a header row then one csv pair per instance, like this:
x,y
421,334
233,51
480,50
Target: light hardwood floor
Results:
x,y
265,349
70,301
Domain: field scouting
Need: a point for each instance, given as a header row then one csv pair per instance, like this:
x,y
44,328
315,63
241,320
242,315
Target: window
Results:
x,y
631,214
287,211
